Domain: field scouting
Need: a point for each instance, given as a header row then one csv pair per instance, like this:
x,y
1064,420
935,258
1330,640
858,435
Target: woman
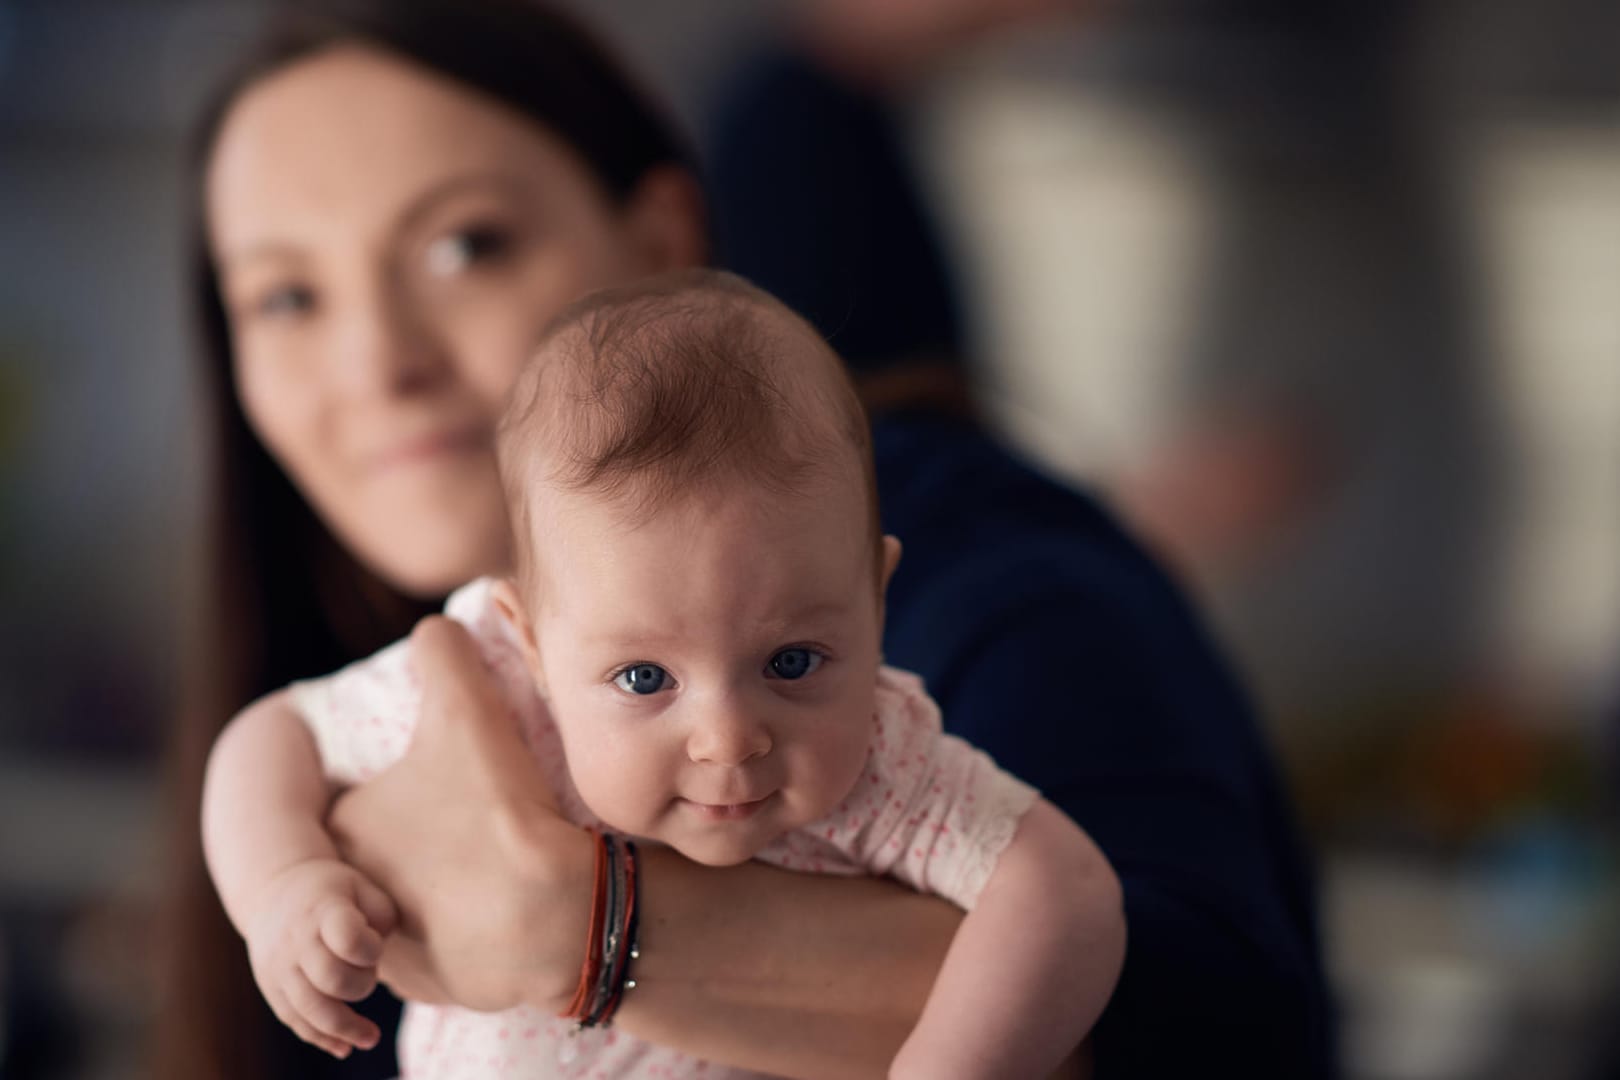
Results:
x,y
397,193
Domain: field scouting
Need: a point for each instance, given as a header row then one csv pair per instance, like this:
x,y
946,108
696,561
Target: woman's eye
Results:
x,y
458,251
287,301
641,679
795,663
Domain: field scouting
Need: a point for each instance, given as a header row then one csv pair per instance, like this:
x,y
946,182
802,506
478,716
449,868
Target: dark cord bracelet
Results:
x,y
625,942
613,941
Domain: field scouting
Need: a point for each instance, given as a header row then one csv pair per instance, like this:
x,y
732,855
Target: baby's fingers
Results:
x,y
330,1017
345,931
282,1007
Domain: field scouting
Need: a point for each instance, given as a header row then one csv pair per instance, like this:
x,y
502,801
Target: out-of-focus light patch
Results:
x,y
1083,226
1476,969
1430,1020
1549,204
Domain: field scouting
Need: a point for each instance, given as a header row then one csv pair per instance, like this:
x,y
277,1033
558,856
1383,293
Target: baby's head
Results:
x,y
700,564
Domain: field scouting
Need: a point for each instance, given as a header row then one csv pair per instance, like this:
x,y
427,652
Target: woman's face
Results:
x,y
388,245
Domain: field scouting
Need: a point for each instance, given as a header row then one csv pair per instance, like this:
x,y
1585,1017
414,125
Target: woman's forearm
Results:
x,y
800,975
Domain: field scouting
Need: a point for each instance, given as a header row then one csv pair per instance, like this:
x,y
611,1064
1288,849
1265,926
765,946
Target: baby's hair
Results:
x,y
675,385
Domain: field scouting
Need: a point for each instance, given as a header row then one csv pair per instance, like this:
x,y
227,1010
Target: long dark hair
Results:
x,y
281,598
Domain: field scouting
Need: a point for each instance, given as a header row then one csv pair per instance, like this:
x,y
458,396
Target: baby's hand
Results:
x,y
314,940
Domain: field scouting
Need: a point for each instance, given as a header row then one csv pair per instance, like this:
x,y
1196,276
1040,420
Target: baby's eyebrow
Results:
x,y
627,637
819,610
631,638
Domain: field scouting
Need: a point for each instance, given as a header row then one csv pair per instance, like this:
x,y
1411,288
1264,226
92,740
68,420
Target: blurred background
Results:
x,y
1324,298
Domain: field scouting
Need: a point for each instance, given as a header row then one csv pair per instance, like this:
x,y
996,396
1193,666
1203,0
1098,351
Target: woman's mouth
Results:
x,y
424,449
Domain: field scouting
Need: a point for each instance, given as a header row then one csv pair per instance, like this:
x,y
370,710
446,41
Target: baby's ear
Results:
x,y
515,613
891,558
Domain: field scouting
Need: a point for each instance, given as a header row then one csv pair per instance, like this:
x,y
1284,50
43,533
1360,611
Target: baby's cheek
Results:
x,y
591,771
617,787
842,758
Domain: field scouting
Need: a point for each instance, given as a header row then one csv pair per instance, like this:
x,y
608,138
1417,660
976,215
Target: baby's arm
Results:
x,y
1032,965
314,926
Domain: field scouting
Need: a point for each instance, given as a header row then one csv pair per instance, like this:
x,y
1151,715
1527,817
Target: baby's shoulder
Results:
x,y
907,727
904,708
473,606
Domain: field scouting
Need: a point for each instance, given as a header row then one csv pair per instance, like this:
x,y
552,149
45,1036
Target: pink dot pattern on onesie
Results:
x,y
930,810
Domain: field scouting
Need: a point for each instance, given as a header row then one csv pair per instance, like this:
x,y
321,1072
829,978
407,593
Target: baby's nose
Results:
x,y
728,735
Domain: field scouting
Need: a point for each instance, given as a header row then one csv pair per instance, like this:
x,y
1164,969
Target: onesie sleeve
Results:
x,y
362,717
931,810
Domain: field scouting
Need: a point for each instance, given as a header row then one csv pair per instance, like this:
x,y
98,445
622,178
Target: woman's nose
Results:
x,y
727,733
385,347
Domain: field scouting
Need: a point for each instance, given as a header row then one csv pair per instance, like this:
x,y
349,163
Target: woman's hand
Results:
x,y
492,886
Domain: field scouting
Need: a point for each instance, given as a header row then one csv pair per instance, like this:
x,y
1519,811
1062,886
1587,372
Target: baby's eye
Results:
x,y
795,663
641,679
462,249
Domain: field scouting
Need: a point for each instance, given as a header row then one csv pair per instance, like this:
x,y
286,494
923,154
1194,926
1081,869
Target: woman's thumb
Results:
x,y
376,906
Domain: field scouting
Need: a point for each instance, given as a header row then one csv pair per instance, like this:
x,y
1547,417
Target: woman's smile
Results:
x,y
431,448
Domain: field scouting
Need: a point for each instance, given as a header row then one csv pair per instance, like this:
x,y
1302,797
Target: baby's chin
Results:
x,y
703,852
720,848
708,857
724,838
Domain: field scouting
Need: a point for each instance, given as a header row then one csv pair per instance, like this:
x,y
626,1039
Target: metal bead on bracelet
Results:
x,y
613,941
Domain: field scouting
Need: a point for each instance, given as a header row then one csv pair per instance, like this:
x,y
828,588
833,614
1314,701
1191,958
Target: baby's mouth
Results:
x,y
739,811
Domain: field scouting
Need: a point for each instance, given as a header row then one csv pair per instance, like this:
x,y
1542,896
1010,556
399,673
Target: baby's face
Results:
x,y
711,670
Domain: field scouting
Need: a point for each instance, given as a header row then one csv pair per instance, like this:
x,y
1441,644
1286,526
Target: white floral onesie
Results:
x,y
929,810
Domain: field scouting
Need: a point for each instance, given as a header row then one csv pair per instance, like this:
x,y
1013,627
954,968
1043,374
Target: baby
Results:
x,y
690,642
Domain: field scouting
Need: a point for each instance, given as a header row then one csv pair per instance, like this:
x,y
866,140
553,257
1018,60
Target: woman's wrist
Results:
x,y
555,860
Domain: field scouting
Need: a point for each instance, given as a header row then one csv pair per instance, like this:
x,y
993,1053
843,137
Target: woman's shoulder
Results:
x,y
985,531
949,486
1017,595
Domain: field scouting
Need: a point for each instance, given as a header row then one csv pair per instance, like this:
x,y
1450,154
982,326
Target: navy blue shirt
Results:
x,y
1054,643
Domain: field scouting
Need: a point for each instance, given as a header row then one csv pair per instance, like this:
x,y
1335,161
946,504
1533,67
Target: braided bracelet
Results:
x,y
590,969
612,942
